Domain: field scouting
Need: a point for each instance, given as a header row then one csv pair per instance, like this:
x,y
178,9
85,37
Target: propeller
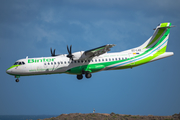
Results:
x,y
70,52
52,53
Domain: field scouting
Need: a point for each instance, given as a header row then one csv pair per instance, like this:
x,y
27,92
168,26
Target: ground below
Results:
x,y
112,116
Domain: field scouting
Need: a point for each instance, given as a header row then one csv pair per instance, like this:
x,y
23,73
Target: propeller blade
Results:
x,y
52,52
70,49
69,52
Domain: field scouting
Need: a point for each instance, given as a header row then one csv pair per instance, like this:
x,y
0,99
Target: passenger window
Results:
x,y
95,60
92,60
81,61
122,58
68,62
126,58
109,59
74,61
58,62
106,59
64,62
51,63
19,63
99,60
48,63
44,63
88,60
112,59
116,58
102,59
61,62
78,61
119,58
55,63
23,63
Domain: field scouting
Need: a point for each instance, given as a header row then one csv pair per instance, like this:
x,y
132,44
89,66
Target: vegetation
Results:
x,y
112,116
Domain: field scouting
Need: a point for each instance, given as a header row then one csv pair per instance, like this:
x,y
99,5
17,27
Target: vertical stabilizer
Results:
x,y
161,34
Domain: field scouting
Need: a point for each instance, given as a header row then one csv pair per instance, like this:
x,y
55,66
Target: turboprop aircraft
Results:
x,y
97,59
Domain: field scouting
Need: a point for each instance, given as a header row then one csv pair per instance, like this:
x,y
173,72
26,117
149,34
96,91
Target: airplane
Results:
x,y
97,59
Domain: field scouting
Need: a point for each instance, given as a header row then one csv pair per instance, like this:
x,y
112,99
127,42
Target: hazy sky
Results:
x,y
30,28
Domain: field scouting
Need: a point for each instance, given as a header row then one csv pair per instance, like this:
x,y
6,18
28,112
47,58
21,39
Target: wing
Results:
x,y
99,51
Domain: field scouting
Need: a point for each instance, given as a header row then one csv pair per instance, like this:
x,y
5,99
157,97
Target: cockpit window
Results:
x,y
19,63
16,63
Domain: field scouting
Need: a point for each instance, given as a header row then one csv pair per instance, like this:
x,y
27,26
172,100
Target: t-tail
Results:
x,y
155,47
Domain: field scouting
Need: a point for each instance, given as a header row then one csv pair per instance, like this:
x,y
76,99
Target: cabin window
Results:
x,y
78,61
74,61
102,59
68,62
99,60
91,60
126,58
23,63
109,59
19,63
106,59
122,58
61,62
44,63
48,63
58,62
51,63
116,58
55,63
95,60
64,62
119,58
112,59
81,61
88,60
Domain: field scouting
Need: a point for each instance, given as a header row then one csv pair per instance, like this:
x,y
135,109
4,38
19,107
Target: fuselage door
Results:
x,y
132,58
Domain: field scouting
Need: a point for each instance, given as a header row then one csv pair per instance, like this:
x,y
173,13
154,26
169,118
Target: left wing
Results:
x,y
99,51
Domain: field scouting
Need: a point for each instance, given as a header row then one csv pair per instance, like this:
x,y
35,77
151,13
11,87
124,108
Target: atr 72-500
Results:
x,y
97,59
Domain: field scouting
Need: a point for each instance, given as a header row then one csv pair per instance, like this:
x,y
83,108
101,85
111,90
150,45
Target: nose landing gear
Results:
x,y
17,80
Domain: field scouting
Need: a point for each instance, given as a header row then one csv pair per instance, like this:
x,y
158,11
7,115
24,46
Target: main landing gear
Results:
x,y
87,75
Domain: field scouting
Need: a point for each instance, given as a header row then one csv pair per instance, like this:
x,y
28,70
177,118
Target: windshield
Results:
x,y
19,63
16,63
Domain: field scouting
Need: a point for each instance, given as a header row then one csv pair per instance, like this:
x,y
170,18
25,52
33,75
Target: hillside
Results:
x,y
112,116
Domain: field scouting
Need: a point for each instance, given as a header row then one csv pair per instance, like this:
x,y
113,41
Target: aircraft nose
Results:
x,y
8,71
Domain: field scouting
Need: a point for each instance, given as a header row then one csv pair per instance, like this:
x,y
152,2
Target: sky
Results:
x,y
31,28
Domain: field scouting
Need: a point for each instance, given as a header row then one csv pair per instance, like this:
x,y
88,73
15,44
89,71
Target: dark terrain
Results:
x,y
112,116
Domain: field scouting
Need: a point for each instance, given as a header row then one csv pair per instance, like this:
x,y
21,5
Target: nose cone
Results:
x,y
8,71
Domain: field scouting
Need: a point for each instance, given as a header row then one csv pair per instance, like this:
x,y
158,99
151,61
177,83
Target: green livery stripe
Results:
x,y
164,24
13,66
98,49
148,59
160,32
